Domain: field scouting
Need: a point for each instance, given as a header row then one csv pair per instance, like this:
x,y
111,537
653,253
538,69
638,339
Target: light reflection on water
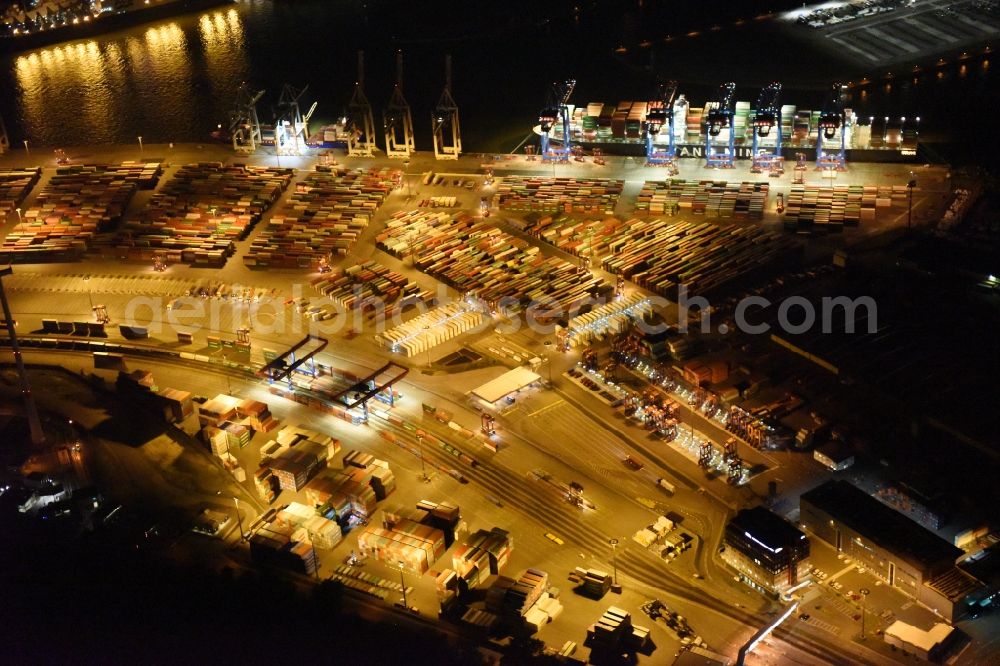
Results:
x,y
166,80
177,79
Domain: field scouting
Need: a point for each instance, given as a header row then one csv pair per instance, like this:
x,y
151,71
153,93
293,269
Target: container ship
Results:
x,y
53,21
620,129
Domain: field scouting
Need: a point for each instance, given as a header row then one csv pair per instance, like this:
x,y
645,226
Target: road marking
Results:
x,y
839,573
546,408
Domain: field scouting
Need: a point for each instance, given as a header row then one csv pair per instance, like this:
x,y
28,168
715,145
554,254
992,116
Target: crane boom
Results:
x,y
718,118
832,121
554,111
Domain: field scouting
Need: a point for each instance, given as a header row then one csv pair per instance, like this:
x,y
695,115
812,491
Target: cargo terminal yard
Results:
x,y
425,375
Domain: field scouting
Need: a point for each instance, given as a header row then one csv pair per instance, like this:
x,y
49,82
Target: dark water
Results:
x,y
175,80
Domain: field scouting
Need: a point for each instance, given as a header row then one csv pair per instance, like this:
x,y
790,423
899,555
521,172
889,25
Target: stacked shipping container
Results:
x,y
323,217
662,255
484,262
15,185
720,199
583,195
204,209
76,204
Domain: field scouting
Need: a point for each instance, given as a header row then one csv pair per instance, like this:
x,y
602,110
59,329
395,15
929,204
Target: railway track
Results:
x,y
540,504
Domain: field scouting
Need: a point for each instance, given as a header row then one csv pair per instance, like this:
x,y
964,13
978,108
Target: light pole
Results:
x,y
864,598
140,145
548,359
26,151
402,583
909,207
31,411
90,293
239,520
614,559
18,211
423,467
428,350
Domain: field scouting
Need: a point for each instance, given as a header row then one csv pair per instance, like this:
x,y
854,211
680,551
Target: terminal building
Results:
x,y
770,554
898,550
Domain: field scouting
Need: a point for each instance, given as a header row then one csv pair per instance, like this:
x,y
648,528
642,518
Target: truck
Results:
x,y
666,485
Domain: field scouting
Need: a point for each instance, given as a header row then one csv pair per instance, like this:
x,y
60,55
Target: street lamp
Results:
x,y
140,145
428,350
402,583
548,359
885,129
864,597
909,208
614,559
423,467
26,151
18,211
90,293
239,520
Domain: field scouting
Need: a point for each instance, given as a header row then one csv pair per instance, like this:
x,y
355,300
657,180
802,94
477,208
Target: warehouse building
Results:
x,y
896,549
770,554
512,381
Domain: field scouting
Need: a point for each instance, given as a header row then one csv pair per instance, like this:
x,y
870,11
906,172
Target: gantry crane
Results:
x,y
555,111
720,117
289,123
244,127
397,120
831,121
767,116
444,121
360,120
660,113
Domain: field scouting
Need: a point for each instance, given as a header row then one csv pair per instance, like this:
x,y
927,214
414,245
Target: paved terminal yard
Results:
x,y
540,432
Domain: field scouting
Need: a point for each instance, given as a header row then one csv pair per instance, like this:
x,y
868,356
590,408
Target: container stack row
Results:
x,y
291,459
319,531
382,481
431,329
78,203
717,199
817,208
364,286
514,598
15,185
558,195
480,260
583,238
661,255
342,495
402,540
614,631
322,219
608,319
283,547
484,554
198,215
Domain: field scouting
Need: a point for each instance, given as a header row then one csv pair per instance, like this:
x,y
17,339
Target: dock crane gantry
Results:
x,y
444,121
720,117
289,123
767,116
660,113
360,120
244,127
832,119
397,120
556,110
